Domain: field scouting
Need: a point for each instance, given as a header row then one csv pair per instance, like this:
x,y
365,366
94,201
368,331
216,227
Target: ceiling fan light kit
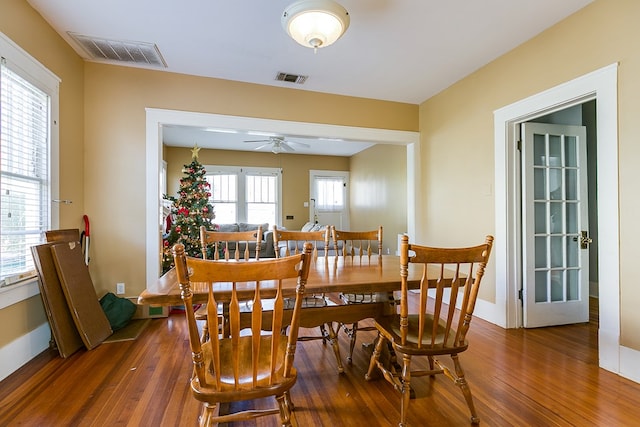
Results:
x,y
315,23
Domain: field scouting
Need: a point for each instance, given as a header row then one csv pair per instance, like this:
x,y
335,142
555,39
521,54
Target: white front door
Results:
x,y
555,225
329,194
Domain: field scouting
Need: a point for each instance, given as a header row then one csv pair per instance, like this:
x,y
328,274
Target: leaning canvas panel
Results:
x,y
90,320
63,327
66,235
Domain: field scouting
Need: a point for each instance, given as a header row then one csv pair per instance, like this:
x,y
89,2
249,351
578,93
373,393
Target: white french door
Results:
x,y
555,225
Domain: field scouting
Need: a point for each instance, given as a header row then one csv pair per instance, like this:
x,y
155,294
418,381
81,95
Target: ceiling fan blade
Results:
x,y
286,147
302,144
262,146
259,140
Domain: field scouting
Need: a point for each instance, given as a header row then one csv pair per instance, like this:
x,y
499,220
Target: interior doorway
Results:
x,y
601,86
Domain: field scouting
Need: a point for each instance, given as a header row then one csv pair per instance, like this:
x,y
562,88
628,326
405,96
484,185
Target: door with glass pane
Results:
x,y
329,198
555,225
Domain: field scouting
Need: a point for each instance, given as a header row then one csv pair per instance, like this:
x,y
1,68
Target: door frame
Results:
x,y
600,85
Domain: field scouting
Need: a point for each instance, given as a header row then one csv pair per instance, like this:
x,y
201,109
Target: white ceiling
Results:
x,y
395,50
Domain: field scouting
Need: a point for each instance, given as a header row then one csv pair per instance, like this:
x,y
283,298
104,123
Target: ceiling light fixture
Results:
x,y
315,23
277,148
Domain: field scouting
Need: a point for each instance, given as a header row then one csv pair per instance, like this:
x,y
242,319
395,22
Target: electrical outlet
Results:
x,y
120,288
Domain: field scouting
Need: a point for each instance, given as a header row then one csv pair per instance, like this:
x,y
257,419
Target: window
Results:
x,y
329,193
28,142
240,194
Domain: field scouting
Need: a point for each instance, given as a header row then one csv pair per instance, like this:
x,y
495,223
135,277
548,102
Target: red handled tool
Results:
x,y
85,239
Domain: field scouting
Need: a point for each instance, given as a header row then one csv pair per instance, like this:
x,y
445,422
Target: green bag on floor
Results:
x,y
118,310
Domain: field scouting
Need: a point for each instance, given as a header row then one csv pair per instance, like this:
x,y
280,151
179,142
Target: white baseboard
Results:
x,y
23,349
488,311
630,363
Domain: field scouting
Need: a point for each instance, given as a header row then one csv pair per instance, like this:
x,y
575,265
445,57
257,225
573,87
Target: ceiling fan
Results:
x,y
278,144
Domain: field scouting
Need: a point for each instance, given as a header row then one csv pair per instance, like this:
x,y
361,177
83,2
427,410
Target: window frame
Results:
x,y
242,172
30,69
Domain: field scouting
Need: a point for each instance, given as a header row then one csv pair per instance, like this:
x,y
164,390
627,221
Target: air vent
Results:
x,y
120,51
291,78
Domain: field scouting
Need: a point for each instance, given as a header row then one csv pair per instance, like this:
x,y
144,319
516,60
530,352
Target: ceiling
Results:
x,y
395,50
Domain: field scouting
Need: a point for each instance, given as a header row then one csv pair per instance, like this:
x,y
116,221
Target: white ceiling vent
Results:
x,y
120,51
291,78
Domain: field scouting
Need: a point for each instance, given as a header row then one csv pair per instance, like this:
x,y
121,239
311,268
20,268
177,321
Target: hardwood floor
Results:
x,y
536,377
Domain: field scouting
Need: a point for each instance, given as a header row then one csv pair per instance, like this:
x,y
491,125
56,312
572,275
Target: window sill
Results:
x,y
13,294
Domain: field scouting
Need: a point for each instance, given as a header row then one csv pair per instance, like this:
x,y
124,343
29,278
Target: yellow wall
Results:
x,y
379,192
295,174
457,131
26,28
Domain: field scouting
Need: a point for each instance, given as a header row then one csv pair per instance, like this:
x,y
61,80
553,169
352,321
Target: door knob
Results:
x,y
585,240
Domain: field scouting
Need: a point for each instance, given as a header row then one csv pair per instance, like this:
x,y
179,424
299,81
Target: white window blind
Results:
x,y
24,176
224,197
261,198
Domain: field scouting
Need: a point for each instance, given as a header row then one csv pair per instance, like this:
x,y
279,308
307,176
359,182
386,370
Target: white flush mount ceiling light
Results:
x,y
315,23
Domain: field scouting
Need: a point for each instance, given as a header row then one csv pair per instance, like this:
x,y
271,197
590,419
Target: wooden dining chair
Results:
x,y
287,242
359,246
226,245
245,366
230,244
450,277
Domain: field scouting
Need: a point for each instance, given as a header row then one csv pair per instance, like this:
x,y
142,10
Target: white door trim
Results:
x,y
602,86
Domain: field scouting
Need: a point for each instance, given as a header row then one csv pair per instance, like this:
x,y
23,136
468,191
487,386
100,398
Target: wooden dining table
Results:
x,y
328,275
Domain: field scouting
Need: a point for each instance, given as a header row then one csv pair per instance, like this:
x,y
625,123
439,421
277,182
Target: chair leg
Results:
x,y
324,333
352,343
333,339
205,332
466,391
405,389
374,357
209,412
431,365
288,401
285,412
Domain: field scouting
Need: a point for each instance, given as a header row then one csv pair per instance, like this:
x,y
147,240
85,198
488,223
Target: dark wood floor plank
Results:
x,y
536,377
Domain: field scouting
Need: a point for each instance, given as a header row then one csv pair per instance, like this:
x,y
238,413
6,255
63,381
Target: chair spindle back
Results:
x,y
232,244
449,273
248,281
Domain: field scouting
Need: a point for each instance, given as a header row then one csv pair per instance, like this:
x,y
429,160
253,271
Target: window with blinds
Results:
x,y
24,173
241,194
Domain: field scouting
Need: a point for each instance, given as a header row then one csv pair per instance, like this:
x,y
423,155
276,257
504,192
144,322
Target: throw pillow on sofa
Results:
x,y
243,226
226,228
318,227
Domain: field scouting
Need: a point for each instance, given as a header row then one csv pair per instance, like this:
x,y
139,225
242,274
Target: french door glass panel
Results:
x,y
555,191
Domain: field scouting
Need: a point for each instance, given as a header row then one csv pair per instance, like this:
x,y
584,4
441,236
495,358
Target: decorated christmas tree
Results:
x,y
190,210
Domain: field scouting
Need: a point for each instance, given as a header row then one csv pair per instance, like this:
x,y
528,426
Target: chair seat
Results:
x,y
228,391
389,326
